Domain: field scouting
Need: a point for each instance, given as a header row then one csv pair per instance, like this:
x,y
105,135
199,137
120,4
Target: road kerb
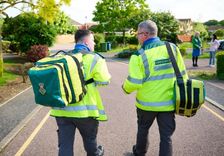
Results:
x,y
215,103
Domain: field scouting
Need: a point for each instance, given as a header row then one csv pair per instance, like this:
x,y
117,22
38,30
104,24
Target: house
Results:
x,y
184,38
214,28
75,23
86,26
185,26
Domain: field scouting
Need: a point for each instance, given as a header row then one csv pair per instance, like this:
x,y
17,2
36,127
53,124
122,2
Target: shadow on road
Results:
x,y
128,154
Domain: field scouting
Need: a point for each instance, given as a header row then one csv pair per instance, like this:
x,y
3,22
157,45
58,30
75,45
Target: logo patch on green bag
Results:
x,y
41,89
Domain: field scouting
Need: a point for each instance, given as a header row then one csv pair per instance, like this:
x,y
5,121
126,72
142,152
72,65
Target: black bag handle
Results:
x,y
60,51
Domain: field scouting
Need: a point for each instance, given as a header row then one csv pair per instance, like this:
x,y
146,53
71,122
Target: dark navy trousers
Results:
x,y
166,124
87,127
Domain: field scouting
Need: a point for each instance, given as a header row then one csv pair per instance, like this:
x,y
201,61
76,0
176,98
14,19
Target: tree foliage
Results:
x,y
168,26
220,33
119,15
63,24
221,22
211,22
45,8
28,29
200,27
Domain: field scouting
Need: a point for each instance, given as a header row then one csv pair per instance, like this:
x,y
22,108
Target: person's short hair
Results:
x,y
149,26
80,34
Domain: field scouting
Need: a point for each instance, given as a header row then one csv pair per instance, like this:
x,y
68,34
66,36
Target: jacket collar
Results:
x,y
80,46
150,40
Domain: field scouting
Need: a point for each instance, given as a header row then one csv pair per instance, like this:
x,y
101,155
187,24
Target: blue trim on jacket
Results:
x,y
78,47
150,40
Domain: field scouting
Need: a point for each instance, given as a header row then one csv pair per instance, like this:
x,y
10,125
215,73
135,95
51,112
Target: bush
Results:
x,y
14,47
5,46
220,65
132,40
183,51
37,52
98,38
126,53
28,29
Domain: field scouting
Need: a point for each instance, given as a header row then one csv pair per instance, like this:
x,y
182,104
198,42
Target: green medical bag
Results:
x,y
58,80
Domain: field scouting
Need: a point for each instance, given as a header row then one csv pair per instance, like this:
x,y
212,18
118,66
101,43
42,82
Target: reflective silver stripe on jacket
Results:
x,y
145,62
134,80
155,104
95,59
154,78
101,83
80,108
163,67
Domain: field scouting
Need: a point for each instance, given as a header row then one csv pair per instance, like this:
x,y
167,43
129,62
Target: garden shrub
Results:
x,y
98,38
37,52
5,46
28,29
14,47
220,65
183,51
126,53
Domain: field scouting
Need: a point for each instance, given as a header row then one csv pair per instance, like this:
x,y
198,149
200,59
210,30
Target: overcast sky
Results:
x,y
197,10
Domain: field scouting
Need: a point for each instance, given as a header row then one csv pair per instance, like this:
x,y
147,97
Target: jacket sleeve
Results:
x,y
181,65
135,75
100,73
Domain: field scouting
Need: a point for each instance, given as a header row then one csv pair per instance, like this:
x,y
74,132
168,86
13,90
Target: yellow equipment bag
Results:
x,y
189,94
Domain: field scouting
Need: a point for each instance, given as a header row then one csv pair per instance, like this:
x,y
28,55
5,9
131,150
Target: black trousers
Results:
x,y
166,124
87,127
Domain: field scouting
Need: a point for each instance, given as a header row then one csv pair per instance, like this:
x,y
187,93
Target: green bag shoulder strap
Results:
x,y
179,77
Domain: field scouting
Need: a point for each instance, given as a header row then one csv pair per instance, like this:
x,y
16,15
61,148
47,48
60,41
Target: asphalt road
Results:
x,y
201,135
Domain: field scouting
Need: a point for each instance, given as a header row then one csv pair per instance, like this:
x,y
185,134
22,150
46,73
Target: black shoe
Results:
x,y
134,150
100,150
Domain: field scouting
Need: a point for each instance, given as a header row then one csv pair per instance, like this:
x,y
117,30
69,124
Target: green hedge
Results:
x,y
220,65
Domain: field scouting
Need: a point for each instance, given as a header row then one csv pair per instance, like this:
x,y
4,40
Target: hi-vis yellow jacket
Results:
x,y
151,74
91,106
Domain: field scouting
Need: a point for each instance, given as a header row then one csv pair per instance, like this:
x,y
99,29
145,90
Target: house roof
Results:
x,y
73,22
184,38
214,27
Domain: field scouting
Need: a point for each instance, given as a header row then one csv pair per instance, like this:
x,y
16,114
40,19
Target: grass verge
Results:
x,y
202,75
7,77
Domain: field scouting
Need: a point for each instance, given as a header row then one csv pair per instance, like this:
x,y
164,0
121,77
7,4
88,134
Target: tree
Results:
x,y
63,24
45,8
200,27
211,22
220,33
120,15
28,29
168,26
221,22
